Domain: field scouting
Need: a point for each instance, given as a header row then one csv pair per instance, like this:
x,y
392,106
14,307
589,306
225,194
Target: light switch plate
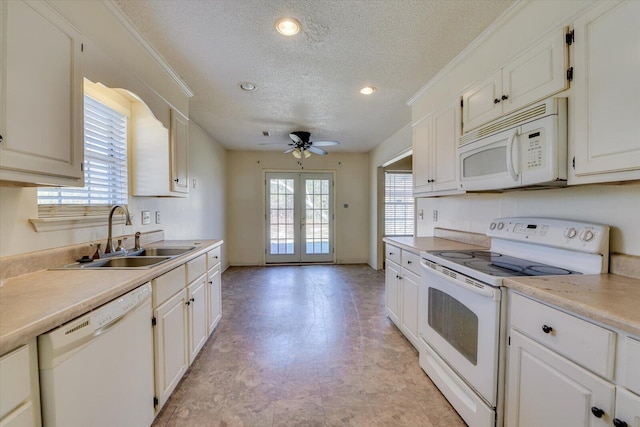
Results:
x,y
146,217
157,217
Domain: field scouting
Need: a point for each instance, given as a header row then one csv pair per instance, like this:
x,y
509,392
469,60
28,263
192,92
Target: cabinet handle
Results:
x,y
505,97
211,282
408,262
1,139
597,412
496,101
192,299
619,423
188,302
546,329
177,180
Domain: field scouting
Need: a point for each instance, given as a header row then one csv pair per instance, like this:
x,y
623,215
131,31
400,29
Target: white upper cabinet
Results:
x,y
41,118
435,138
537,73
605,111
179,152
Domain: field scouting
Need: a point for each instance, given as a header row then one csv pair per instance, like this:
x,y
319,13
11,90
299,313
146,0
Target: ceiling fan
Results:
x,y
301,146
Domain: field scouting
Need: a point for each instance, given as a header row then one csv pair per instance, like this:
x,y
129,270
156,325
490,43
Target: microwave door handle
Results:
x,y
510,167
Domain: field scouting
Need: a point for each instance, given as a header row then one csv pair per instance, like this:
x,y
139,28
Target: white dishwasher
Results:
x,y
97,370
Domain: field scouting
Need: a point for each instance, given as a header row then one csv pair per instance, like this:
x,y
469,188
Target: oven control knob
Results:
x,y
500,225
587,235
492,226
570,233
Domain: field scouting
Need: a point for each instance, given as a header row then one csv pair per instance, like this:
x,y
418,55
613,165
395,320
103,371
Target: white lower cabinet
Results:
x,y
19,388
170,345
214,298
197,309
560,370
402,279
545,389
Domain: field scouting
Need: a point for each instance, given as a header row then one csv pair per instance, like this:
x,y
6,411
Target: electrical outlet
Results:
x,y
157,217
146,217
435,215
421,214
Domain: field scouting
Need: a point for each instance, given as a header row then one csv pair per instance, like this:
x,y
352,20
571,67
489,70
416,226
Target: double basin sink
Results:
x,y
143,258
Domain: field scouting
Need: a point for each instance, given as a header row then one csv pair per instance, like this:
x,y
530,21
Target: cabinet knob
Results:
x,y
188,302
505,97
211,282
1,139
547,329
496,101
619,423
597,412
409,262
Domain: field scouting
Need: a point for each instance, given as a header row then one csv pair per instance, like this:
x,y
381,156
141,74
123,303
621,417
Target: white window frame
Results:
x,y
66,216
407,206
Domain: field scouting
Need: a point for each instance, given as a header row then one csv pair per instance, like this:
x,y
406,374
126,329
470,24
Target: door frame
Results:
x,y
264,218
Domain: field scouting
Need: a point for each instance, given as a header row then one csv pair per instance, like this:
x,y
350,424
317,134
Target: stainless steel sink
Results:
x,y
123,262
164,251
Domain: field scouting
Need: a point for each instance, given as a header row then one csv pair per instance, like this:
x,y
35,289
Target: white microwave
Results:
x,y
527,148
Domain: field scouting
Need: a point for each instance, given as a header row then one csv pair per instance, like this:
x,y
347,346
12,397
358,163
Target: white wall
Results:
x,y
613,205
397,144
245,202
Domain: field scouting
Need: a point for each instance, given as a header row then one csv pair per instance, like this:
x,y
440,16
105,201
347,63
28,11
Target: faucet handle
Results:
x,y
120,247
136,246
98,252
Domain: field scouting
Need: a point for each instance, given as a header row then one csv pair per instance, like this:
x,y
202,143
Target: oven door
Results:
x,y
460,322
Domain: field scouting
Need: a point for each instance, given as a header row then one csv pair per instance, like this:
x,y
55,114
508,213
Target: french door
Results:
x,y
299,217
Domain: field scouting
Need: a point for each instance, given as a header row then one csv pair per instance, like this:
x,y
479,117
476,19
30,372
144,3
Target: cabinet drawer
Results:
x,y
15,386
213,257
196,268
631,361
167,285
392,253
411,262
583,342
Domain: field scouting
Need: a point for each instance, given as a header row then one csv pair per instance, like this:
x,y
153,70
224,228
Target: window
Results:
x,y
398,204
105,161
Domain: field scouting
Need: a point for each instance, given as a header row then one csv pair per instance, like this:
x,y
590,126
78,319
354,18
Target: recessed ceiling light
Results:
x,y
367,90
288,26
247,86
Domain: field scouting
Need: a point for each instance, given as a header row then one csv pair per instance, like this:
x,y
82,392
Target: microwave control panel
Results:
x,y
534,146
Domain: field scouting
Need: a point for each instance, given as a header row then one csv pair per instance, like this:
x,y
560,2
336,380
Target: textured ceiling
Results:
x,y
309,81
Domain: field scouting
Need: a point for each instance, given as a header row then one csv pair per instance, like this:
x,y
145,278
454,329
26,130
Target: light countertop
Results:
x,y
418,244
34,303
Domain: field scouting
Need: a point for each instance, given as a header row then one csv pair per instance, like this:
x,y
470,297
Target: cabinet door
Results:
x,y
170,345
179,153
446,130
536,74
545,389
627,408
482,102
606,103
197,304
409,287
42,93
422,136
214,298
392,292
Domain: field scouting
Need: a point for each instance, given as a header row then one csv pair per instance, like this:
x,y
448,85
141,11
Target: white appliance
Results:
x,y
97,370
526,148
461,311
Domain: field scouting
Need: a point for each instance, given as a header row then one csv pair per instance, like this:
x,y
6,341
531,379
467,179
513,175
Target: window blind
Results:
x,y
398,204
105,166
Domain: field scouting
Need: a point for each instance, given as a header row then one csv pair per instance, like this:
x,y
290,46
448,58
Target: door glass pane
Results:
x,y
455,323
281,224
486,162
317,216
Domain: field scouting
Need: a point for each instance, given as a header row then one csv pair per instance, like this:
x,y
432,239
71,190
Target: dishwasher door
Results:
x,y
97,370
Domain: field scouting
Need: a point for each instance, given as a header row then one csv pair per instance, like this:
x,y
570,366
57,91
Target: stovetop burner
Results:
x,y
500,265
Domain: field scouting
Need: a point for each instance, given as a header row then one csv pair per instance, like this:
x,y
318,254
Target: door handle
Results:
x,y
510,166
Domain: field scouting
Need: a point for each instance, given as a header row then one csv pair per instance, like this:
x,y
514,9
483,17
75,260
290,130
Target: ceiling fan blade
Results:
x,y
317,151
295,138
324,143
289,150
274,143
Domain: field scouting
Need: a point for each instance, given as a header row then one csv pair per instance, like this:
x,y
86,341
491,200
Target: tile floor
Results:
x,y
306,346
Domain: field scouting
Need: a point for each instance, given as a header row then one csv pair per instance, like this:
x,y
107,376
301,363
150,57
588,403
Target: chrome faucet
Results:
x,y
110,249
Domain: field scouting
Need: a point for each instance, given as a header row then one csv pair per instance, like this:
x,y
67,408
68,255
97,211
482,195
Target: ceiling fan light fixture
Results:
x,y
247,86
296,153
367,90
307,154
288,26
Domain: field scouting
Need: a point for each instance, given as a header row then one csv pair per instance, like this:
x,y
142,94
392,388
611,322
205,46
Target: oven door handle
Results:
x,y
485,290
